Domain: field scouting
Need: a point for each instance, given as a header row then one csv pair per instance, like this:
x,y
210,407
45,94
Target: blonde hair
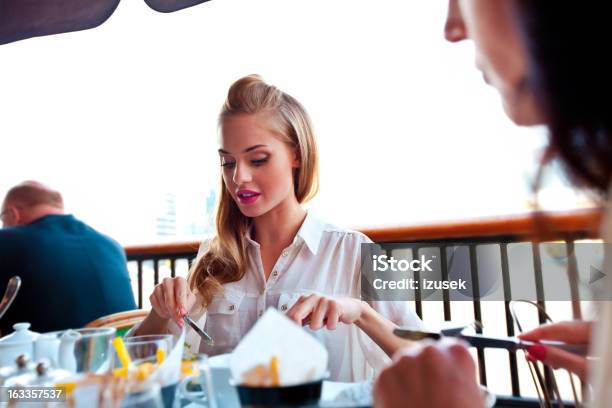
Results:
x,y
225,260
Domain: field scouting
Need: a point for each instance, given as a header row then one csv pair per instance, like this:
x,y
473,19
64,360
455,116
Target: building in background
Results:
x,y
165,223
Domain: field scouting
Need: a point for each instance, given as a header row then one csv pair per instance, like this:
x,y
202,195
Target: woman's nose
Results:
x,y
454,28
241,174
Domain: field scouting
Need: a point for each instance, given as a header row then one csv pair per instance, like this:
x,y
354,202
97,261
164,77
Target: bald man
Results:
x,y
71,274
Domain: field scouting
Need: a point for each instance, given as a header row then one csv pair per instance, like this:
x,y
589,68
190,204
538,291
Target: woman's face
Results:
x,y
499,52
257,166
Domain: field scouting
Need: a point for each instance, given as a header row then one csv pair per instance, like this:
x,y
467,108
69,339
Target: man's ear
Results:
x,y
12,216
17,215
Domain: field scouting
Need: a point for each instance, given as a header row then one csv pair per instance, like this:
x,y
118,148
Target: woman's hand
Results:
x,y
172,299
435,376
323,311
571,332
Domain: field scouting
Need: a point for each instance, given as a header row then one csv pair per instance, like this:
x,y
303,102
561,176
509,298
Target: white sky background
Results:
x,y
408,132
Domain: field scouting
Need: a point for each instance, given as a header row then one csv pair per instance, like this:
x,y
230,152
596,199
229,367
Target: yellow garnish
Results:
x,y
189,367
161,355
262,375
120,372
274,371
122,353
144,370
67,387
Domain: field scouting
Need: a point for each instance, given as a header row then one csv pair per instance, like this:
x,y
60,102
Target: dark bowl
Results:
x,y
294,395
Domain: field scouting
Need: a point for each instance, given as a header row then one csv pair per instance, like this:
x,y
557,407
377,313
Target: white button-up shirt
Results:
x,y
322,259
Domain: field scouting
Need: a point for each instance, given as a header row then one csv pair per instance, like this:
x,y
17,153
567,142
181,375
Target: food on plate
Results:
x,y
263,375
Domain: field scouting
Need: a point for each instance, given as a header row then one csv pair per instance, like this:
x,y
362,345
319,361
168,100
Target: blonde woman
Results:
x,y
269,252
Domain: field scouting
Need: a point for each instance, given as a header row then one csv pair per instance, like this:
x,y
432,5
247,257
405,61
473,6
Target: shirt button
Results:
x,y
275,273
232,308
285,253
284,308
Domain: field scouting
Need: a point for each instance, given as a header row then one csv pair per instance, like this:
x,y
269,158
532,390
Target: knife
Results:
x,y
205,336
478,340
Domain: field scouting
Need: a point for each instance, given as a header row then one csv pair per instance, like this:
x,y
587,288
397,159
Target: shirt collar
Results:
x,y
310,232
251,240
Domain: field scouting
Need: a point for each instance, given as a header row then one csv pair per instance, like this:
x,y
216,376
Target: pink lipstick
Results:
x,y
247,196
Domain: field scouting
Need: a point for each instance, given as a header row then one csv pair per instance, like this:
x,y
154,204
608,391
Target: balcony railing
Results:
x,y
173,259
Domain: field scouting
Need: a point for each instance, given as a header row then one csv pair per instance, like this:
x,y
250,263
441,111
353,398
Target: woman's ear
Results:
x,y
297,158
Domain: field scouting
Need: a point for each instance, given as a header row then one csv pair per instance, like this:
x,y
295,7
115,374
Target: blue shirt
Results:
x,y
71,274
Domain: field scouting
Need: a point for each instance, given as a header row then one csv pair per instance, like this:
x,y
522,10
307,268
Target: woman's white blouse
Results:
x,y
322,259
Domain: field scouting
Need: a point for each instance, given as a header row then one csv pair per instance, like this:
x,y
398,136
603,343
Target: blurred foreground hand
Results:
x,y
435,375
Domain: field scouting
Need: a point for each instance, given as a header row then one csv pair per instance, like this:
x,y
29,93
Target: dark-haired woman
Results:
x,y
548,61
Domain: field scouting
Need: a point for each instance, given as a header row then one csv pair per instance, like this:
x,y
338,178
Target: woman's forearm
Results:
x,y
380,330
152,324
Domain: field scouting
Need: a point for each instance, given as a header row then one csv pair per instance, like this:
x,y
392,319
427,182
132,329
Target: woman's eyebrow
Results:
x,y
248,149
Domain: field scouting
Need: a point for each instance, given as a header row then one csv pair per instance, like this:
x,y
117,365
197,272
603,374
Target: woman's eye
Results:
x,y
228,165
259,162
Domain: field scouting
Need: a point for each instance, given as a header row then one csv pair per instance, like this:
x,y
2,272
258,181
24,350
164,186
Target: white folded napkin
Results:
x,y
301,358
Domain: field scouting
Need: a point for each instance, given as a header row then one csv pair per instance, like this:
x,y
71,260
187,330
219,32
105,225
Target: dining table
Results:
x,y
334,394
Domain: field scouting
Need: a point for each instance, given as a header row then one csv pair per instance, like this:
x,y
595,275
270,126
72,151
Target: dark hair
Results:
x,y
571,76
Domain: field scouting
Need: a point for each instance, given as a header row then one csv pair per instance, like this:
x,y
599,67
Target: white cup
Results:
x,y
47,346
214,380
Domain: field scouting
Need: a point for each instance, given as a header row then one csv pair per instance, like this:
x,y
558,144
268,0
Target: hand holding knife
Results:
x,y
478,340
